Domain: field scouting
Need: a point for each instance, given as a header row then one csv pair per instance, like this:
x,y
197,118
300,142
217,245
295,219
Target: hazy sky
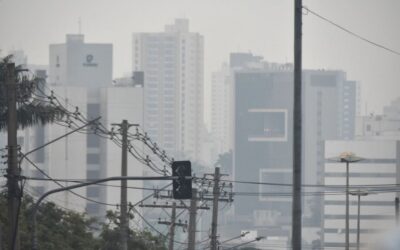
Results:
x,y
264,27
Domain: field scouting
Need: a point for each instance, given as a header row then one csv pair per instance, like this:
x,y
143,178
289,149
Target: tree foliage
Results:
x,y
68,230
30,111
57,228
138,240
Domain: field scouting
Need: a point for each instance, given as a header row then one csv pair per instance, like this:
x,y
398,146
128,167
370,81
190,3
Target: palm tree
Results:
x,y
30,110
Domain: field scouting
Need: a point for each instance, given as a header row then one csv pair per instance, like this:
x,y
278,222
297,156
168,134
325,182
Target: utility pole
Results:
x,y
192,220
1,238
214,223
124,126
13,172
396,204
172,227
192,211
347,225
124,193
297,127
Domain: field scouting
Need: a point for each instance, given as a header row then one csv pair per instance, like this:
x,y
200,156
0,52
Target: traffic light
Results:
x,y
182,187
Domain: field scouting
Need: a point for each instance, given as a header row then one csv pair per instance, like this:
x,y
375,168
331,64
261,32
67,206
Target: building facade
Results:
x,y
81,76
172,62
262,148
378,169
221,110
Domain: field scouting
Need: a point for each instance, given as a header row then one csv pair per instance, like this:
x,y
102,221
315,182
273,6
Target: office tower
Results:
x,y
172,62
221,110
81,75
262,148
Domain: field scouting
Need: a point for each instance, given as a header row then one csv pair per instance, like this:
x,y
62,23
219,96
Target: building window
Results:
x,y
92,159
93,174
93,191
268,125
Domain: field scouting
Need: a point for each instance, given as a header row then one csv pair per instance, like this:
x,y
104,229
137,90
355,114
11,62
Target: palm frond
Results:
x,y
33,114
29,112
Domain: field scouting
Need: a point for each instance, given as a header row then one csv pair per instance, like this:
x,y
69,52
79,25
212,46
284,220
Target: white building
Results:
x,y
221,110
122,103
78,63
64,159
81,75
172,62
377,210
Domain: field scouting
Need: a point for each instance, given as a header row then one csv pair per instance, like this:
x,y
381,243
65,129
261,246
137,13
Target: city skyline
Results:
x,y
265,29
213,85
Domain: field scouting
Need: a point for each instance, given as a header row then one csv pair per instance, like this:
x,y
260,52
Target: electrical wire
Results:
x,y
152,227
304,185
87,180
351,32
37,194
60,185
104,133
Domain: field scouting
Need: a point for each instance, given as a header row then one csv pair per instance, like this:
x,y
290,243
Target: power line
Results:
x,y
152,227
87,180
303,185
59,184
34,195
351,32
101,131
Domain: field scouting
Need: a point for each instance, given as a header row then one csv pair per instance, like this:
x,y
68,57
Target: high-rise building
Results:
x,y
172,62
81,75
222,101
329,110
87,65
221,110
78,63
262,147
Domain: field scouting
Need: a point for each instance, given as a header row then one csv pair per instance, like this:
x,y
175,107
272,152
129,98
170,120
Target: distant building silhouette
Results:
x,y
172,62
262,140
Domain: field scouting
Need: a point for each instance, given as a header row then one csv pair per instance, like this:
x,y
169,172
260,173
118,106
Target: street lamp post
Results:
x,y
347,157
359,193
234,238
248,242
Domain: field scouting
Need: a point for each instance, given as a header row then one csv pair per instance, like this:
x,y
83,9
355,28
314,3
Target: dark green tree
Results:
x,y
137,240
57,228
68,230
30,111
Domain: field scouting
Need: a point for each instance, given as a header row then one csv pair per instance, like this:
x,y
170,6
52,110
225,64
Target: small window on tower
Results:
x,y
268,125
